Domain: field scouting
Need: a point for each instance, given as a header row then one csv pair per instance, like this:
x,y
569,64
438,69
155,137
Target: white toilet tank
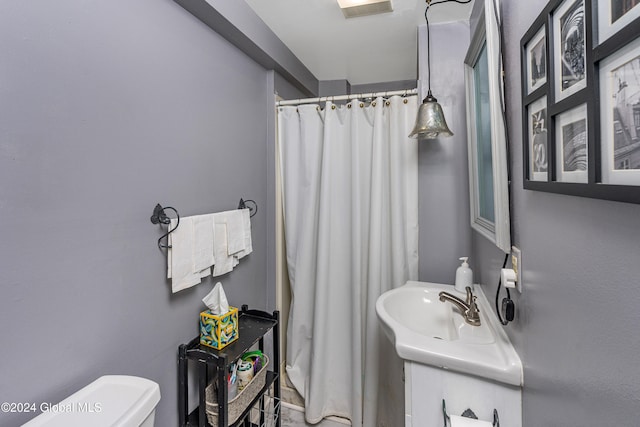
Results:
x,y
109,401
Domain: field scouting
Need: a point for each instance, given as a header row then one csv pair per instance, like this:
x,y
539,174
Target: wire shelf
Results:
x,y
265,412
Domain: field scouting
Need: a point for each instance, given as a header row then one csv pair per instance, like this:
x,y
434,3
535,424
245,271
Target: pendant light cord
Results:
x,y
429,4
428,48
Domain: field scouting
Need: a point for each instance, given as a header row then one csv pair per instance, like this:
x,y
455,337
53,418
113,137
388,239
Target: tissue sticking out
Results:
x,y
216,300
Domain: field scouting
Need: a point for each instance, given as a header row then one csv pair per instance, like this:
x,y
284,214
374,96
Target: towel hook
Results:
x,y
159,217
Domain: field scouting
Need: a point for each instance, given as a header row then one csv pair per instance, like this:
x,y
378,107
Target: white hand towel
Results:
x,y
182,275
457,421
246,224
203,238
235,231
224,262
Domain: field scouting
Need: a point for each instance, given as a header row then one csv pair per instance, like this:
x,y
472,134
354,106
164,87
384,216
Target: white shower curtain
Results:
x,y
350,181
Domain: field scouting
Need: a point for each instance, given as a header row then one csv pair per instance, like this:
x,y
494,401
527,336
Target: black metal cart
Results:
x,y
253,325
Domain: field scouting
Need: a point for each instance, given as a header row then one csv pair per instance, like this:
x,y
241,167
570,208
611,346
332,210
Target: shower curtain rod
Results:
x,y
347,97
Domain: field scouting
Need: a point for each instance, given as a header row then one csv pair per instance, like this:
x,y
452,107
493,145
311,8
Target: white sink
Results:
x,y
426,330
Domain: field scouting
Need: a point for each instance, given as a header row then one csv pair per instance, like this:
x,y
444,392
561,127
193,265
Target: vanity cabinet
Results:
x,y
212,366
466,365
427,386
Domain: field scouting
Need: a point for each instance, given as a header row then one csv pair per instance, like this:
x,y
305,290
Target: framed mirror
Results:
x,y
487,149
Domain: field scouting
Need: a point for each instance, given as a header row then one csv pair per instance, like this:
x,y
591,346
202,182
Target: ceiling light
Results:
x,y
355,8
430,121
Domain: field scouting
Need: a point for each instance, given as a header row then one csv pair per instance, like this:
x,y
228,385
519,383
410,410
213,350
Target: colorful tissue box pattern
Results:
x,y
218,331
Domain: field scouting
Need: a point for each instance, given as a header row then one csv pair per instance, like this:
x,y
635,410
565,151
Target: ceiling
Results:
x,y
370,49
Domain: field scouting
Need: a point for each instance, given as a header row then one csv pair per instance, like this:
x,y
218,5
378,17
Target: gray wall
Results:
x,y
334,87
108,108
238,23
383,86
343,87
286,90
445,234
576,326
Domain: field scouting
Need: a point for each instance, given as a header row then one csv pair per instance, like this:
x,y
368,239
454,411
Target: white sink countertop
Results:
x,y
423,329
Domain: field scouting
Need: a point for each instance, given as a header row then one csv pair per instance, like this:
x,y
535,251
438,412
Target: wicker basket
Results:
x,y
238,404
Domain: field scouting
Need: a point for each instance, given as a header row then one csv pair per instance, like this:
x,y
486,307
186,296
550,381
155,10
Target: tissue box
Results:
x,y
219,331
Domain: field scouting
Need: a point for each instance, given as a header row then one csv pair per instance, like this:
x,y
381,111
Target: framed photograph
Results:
x,y
579,139
614,15
571,145
537,140
569,47
536,51
620,116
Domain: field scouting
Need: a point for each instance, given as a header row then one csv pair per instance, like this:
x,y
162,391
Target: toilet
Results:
x,y
109,401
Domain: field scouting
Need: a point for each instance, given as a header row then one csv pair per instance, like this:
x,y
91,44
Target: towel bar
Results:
x,y
159,217
468,413
253,207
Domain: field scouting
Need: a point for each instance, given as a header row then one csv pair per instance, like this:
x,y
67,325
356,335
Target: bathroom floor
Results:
x,y
293,416
292,410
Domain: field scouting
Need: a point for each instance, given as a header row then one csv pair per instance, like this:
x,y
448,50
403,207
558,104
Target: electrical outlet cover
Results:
x,y
516,262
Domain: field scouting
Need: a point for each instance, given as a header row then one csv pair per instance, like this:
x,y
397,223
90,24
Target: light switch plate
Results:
x,y
516,262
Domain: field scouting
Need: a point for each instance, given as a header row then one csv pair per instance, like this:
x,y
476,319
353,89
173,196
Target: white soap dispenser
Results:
x,y
464,276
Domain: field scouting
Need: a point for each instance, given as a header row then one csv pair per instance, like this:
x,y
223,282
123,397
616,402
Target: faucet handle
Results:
x,y
473,314
470,296
473,306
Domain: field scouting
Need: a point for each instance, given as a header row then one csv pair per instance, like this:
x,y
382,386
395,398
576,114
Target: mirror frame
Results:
x,y
487,31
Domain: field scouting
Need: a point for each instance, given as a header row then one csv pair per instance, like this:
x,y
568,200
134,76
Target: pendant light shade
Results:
x,y
430,121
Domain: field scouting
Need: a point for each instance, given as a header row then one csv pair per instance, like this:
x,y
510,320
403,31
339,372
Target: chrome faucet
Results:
x,y
469,309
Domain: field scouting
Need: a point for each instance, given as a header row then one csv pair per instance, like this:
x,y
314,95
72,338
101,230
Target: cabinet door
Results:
x,y
428,386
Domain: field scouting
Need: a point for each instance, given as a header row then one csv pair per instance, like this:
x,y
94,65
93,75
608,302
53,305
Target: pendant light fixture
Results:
x,y
430,121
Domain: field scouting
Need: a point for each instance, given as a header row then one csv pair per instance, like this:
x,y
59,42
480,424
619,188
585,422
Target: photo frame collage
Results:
x,y
581,99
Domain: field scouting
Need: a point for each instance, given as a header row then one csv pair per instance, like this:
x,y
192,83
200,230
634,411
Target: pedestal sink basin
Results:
x,y
425,330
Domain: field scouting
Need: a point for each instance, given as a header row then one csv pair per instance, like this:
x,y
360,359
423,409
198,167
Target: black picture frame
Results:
x,y
535,61
615,16
589,96
620,115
